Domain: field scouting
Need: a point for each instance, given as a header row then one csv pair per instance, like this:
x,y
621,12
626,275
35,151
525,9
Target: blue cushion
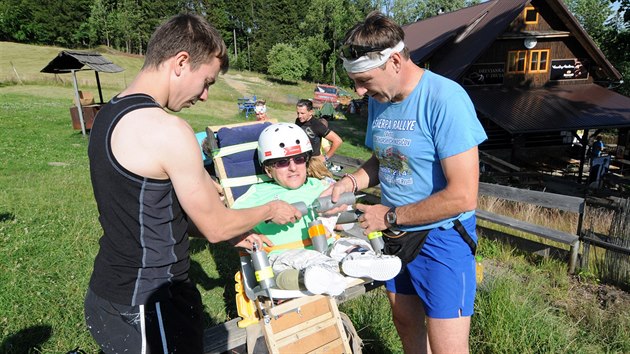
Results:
x,y
244,163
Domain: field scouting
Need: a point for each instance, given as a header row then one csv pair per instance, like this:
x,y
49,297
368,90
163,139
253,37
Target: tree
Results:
x,y
100,23
313,49
14,17
286,63
592,15
608,30
275,22
616,45
324,27
408,11
624,9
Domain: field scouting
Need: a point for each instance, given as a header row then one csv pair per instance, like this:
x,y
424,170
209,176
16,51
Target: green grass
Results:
x,y
49,236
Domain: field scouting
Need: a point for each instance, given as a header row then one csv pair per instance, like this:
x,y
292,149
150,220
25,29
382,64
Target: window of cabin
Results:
x,y
538,61
531,15
516,61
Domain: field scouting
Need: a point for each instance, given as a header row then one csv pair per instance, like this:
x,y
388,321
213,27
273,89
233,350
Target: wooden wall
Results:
x,y
559,48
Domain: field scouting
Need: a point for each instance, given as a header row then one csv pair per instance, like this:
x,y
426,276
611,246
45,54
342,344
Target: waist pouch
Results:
x,y
407,245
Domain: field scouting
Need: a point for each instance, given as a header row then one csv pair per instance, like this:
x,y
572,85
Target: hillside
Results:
x,y
21,63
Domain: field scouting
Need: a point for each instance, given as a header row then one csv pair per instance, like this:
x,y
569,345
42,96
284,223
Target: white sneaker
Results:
x,y
323,279
369,265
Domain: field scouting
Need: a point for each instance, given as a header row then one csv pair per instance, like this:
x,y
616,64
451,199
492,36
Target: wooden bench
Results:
x,y
543,199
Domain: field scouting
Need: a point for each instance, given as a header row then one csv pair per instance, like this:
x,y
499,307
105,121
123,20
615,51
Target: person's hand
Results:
x,y
283,212
373,217
335,191
248,239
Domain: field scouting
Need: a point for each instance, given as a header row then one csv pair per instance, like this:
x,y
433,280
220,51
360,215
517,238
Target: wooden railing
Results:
x,y
543,199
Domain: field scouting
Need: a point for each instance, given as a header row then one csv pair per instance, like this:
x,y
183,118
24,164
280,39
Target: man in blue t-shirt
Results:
x,y
424,134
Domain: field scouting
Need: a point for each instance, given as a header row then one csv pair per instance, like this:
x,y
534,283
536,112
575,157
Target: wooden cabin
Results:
x,y
535,76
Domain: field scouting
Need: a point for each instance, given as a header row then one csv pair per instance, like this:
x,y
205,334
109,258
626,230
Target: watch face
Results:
x,y
391,217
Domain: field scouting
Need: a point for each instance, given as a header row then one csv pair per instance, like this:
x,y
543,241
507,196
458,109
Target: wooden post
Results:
x,y
575,248
98,84
78,100
584,141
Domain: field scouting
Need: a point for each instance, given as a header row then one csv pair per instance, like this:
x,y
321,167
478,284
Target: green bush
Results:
x,y
286,63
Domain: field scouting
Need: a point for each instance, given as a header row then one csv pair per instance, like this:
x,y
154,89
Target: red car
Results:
x,y
329,93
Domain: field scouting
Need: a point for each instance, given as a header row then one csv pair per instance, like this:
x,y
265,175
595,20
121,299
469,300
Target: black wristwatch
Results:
x,y
390,218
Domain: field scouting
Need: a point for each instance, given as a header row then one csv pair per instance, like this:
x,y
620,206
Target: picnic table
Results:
x,y
246,104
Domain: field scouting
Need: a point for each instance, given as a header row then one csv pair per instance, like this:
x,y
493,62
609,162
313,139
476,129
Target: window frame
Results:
x,y
527,9
530,60
516,57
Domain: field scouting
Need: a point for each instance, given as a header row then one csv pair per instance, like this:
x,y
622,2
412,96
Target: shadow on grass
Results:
x,y
227,264
28,340
281,82
6,217
373,341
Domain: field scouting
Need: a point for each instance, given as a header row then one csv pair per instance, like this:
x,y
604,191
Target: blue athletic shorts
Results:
x,y
442,275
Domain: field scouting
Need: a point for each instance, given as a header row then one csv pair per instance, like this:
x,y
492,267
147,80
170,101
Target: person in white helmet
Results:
x,y
260,108
285,150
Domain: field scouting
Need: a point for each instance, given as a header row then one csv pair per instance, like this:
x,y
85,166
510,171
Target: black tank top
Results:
x,y
144,247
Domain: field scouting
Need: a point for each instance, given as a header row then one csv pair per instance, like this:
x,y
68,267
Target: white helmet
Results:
x,y
260,109
281,140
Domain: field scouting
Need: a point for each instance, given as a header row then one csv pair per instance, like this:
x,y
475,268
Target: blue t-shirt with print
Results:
x,y
437,120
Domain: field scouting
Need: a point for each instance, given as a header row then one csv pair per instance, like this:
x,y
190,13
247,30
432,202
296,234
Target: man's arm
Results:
x,y
335,143
459,195
366,176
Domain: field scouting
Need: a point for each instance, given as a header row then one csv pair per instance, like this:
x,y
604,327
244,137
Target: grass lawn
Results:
x,y
49,234
49,224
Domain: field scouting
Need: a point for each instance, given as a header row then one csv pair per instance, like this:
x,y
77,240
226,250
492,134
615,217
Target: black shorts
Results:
x,y
167,326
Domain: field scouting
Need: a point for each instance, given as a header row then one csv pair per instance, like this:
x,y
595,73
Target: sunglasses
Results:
x,y
285,162
352,51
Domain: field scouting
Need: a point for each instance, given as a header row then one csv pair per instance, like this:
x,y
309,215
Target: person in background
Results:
x,y
598,147
316,130
424,133
325,148
260,108
152,192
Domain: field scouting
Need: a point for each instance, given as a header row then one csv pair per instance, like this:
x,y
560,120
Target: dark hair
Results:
x,y
305,103
190,33
378,31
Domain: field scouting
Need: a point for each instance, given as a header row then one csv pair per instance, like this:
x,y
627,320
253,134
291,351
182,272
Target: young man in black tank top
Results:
x,y
152,191
316,130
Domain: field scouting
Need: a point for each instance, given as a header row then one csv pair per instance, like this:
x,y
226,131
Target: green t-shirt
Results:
x,y
261,193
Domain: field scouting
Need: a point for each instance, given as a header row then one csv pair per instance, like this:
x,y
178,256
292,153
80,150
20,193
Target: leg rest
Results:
x,y
305,325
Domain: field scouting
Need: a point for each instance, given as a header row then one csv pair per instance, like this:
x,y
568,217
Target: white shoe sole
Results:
x,y
374,268
318,282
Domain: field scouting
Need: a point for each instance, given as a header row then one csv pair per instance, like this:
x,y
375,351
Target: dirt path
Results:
x,y
238,85
241,83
